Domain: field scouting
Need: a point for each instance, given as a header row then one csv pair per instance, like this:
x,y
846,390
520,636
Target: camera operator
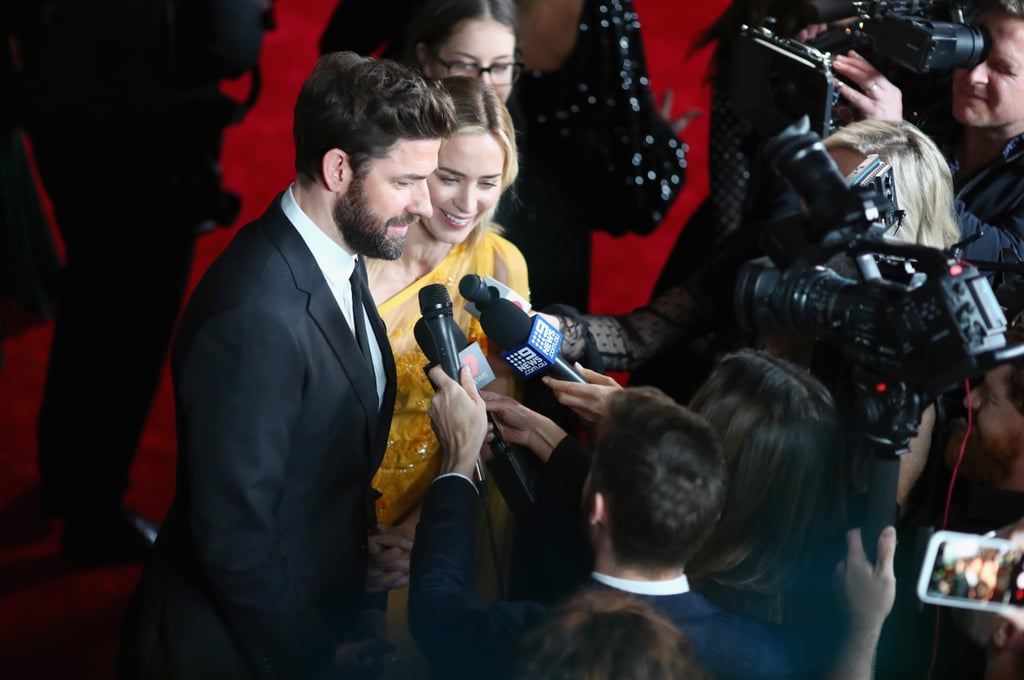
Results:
x,y
986,153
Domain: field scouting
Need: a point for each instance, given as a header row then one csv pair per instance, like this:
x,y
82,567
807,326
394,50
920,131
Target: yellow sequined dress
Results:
x,y
412,460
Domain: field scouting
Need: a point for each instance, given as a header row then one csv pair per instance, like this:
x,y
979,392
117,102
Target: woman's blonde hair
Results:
x,y
924,185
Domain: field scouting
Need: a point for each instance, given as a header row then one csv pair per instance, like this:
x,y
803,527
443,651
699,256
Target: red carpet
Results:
x,y
61,623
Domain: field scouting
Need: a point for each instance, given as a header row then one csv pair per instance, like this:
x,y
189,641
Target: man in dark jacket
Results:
x,y
284,386
655,488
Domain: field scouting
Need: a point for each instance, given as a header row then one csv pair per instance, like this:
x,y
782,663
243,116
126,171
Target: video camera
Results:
x,y
905,339
909,337
923,36
776,80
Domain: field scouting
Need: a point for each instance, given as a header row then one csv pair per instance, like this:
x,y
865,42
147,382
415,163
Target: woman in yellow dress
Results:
x,y
475,166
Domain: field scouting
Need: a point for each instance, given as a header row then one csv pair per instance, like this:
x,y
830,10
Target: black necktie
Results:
x,y
360,292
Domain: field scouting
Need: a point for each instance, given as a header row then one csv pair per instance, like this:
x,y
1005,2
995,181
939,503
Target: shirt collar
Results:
x,y
334,261
674,586
1013,146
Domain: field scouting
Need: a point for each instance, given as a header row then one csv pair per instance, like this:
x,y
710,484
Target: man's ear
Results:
x,y
337,171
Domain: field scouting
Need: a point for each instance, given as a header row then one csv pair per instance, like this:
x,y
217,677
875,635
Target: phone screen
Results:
x,y
972,571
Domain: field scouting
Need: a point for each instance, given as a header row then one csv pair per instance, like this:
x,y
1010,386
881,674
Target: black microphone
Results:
x,y
531,345
475,290
436,309
514,471
426,340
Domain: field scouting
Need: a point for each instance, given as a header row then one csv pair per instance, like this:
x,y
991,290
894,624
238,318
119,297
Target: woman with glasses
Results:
x,y
473,38
597,155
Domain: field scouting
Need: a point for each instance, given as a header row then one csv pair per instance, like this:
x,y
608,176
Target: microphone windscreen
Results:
x,y
434,300
475,289
505,323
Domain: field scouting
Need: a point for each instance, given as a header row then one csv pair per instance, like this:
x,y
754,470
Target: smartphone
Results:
x,y
971,571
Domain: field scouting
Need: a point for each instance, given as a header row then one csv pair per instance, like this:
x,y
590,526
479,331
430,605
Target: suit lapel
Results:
x,y
323,309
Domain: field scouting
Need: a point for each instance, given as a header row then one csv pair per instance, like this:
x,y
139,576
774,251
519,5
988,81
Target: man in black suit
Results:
x,y
282,420
655,488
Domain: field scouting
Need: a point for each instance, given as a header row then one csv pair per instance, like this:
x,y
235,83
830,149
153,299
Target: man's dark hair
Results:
x,y
661,469
364,106
608,634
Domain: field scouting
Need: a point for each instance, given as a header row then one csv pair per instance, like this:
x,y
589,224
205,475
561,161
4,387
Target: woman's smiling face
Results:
x,y
465,186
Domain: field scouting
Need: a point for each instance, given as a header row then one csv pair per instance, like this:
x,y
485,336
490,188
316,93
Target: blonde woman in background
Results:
x,y
924,185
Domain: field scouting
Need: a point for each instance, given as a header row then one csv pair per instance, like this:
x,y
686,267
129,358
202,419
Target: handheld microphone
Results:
x,y
480,290
436,309
475,290
469,354
515,472
530,345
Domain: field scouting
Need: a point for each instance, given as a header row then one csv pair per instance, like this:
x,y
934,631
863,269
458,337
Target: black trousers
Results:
x,y
128,260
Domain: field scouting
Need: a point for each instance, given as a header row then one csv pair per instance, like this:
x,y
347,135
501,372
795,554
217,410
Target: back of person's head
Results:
x,y
435,20
604,634
364,106
660,469
924,185
776,423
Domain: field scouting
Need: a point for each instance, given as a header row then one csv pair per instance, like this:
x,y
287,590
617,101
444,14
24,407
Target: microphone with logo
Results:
x,y
469,354
530,346
514,470
436,312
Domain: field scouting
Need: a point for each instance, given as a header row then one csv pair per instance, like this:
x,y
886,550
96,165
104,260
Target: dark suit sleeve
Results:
x,y
568,556
239,397
460,635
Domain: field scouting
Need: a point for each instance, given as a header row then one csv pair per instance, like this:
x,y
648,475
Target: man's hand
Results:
x,y
523,426
878,99
362,656
868,591
389,550
588,400
459,419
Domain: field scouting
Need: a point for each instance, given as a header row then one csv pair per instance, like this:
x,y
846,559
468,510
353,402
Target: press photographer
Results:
x,y
905,339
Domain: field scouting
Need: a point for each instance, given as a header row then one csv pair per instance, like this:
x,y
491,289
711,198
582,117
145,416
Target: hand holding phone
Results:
x,y
972,572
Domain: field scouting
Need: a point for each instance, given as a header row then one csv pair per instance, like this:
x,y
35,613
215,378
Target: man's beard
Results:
x,y
363,230
988,458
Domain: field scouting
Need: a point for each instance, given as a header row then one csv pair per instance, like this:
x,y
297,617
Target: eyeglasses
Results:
x,y
501,74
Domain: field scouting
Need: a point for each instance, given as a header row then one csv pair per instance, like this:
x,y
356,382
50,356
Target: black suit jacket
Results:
x,y
462,637
260,564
